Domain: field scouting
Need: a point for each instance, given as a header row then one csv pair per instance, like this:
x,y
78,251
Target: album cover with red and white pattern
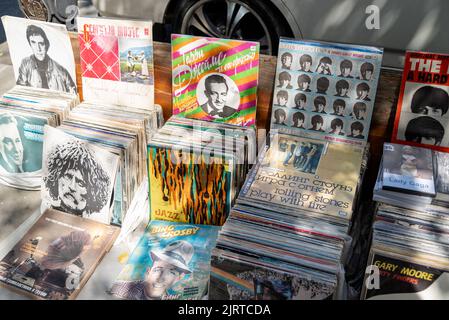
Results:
x,y
117,61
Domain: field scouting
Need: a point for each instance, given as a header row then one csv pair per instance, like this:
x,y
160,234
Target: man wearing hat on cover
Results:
x,y
170,265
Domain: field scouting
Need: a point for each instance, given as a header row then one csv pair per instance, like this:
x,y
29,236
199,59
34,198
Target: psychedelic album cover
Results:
x,y
422,116
41,54
21,141
56,257
403,278
215,79
189,187
78,177
117,61
235,280
325,90
306,174
408,169
171,262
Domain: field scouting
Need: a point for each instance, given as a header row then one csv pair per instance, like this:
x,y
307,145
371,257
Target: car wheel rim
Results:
x,y
34,9
227,19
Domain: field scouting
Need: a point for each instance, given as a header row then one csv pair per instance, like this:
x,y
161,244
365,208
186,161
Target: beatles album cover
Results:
x,y
78,177
215,79
404,278
422,115
41,54
325,90
171,262
408,169
21,143
189,187
117,61
56,257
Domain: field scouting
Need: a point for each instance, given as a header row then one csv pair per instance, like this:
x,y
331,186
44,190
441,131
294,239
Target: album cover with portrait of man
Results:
x,y
422,116
408,169
21,141
235,276
78,177
325,90
170,262
117,61
56,257
302,174
215,79
41,54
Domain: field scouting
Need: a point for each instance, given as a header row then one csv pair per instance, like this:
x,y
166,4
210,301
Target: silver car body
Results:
x,y
404,24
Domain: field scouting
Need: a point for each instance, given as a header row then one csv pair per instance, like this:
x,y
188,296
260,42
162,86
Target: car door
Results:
x,y
403,24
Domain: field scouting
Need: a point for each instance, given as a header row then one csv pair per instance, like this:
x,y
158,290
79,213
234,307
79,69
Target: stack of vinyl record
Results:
x,y
410,230
44,94
199,159
196,168
288,235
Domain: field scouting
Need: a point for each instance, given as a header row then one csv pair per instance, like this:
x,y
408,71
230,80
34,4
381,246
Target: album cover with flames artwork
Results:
x,y
189,186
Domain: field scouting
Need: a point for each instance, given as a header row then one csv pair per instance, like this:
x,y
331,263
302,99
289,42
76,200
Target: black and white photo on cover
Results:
x,y
78,177
324,66
337,127
322,84
424,115
280,116
362,91
339,106
304,83
218,95
305,63
317,123
41,54
298,120
342,88
345,69
366,71
319,104
357,130
359,111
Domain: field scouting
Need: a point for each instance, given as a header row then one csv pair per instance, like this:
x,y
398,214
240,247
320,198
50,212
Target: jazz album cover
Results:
x,y
78,177
117,61
325,90
56,257
422,116
41,54
215,79
171,262
188,186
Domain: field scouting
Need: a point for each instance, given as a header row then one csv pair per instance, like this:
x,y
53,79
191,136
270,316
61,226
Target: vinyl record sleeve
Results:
x,y
56,257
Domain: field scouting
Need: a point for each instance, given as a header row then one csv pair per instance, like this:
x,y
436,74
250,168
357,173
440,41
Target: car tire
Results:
x,y
237,19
